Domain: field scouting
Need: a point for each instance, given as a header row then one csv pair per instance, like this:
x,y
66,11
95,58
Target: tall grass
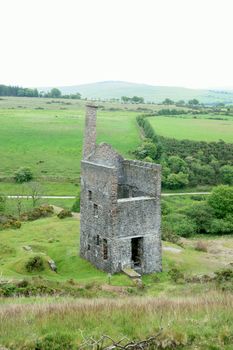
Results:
x,y
201,320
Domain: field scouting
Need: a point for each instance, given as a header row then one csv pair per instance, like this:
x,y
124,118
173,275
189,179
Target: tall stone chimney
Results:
x,y
90,131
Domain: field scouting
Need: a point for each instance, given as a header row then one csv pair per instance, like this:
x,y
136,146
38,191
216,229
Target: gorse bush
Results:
x,y
9,222
40,212
65,213
23,175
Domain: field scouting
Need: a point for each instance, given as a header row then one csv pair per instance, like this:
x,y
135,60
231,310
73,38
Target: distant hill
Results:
x,y
116,89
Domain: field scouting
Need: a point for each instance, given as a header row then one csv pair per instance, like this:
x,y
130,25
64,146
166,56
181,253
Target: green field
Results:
x,y
50,141
193,129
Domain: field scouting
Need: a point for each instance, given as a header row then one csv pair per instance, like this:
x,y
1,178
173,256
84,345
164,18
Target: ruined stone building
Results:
x,y
120,207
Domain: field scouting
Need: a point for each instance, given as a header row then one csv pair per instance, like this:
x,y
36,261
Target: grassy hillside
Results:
x,y
192,314
116,89
193,129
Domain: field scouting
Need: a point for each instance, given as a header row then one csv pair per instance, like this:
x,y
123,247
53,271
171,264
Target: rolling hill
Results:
x,y
116,89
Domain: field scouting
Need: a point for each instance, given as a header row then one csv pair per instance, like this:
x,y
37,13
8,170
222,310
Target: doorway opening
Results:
x,y
136,249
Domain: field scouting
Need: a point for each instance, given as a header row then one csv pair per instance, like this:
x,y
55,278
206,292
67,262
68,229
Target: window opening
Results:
x,y
105,249
95,210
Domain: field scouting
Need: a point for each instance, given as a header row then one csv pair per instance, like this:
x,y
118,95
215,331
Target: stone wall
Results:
x,y
145,176
98,208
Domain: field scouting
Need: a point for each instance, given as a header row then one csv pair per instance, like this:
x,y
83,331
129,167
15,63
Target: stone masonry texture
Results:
x,y
120,208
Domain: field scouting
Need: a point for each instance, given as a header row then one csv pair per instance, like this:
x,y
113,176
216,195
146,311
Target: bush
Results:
x,y
35,263
23,175
65,213
222,226
2,203
55,342
176,275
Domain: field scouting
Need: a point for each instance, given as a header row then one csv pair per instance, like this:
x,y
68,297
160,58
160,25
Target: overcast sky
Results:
x,y
160,42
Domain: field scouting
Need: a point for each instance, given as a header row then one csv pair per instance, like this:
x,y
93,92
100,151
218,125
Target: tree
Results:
x,y
226,174
137,99
176,164
147,149
221,200
175,181
168,101
193,102
35,191
55,93
180,103
125,99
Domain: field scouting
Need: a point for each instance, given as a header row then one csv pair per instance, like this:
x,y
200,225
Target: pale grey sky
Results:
x,y
159,42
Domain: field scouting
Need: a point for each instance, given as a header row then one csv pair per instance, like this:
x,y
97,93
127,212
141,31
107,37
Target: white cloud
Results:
x,y
160,42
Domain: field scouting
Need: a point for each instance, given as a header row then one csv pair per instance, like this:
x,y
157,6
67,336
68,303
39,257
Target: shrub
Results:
x,y
179,224
168,235
23,175
224,275
202,215
221,226
65,213
55,342
201,246
2,203
8,221
35,263
176,275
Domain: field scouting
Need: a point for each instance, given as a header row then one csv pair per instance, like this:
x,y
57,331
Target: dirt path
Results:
x,y
73,197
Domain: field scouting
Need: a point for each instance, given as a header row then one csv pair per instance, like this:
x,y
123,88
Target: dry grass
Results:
x,y
201,246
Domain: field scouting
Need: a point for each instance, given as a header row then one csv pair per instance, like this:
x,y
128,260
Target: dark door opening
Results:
x,y
136,248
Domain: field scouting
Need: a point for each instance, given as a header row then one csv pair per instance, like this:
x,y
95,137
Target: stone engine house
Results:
x,y
120,207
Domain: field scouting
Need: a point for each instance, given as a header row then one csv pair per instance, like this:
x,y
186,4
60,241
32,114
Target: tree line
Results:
x,y
18,91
